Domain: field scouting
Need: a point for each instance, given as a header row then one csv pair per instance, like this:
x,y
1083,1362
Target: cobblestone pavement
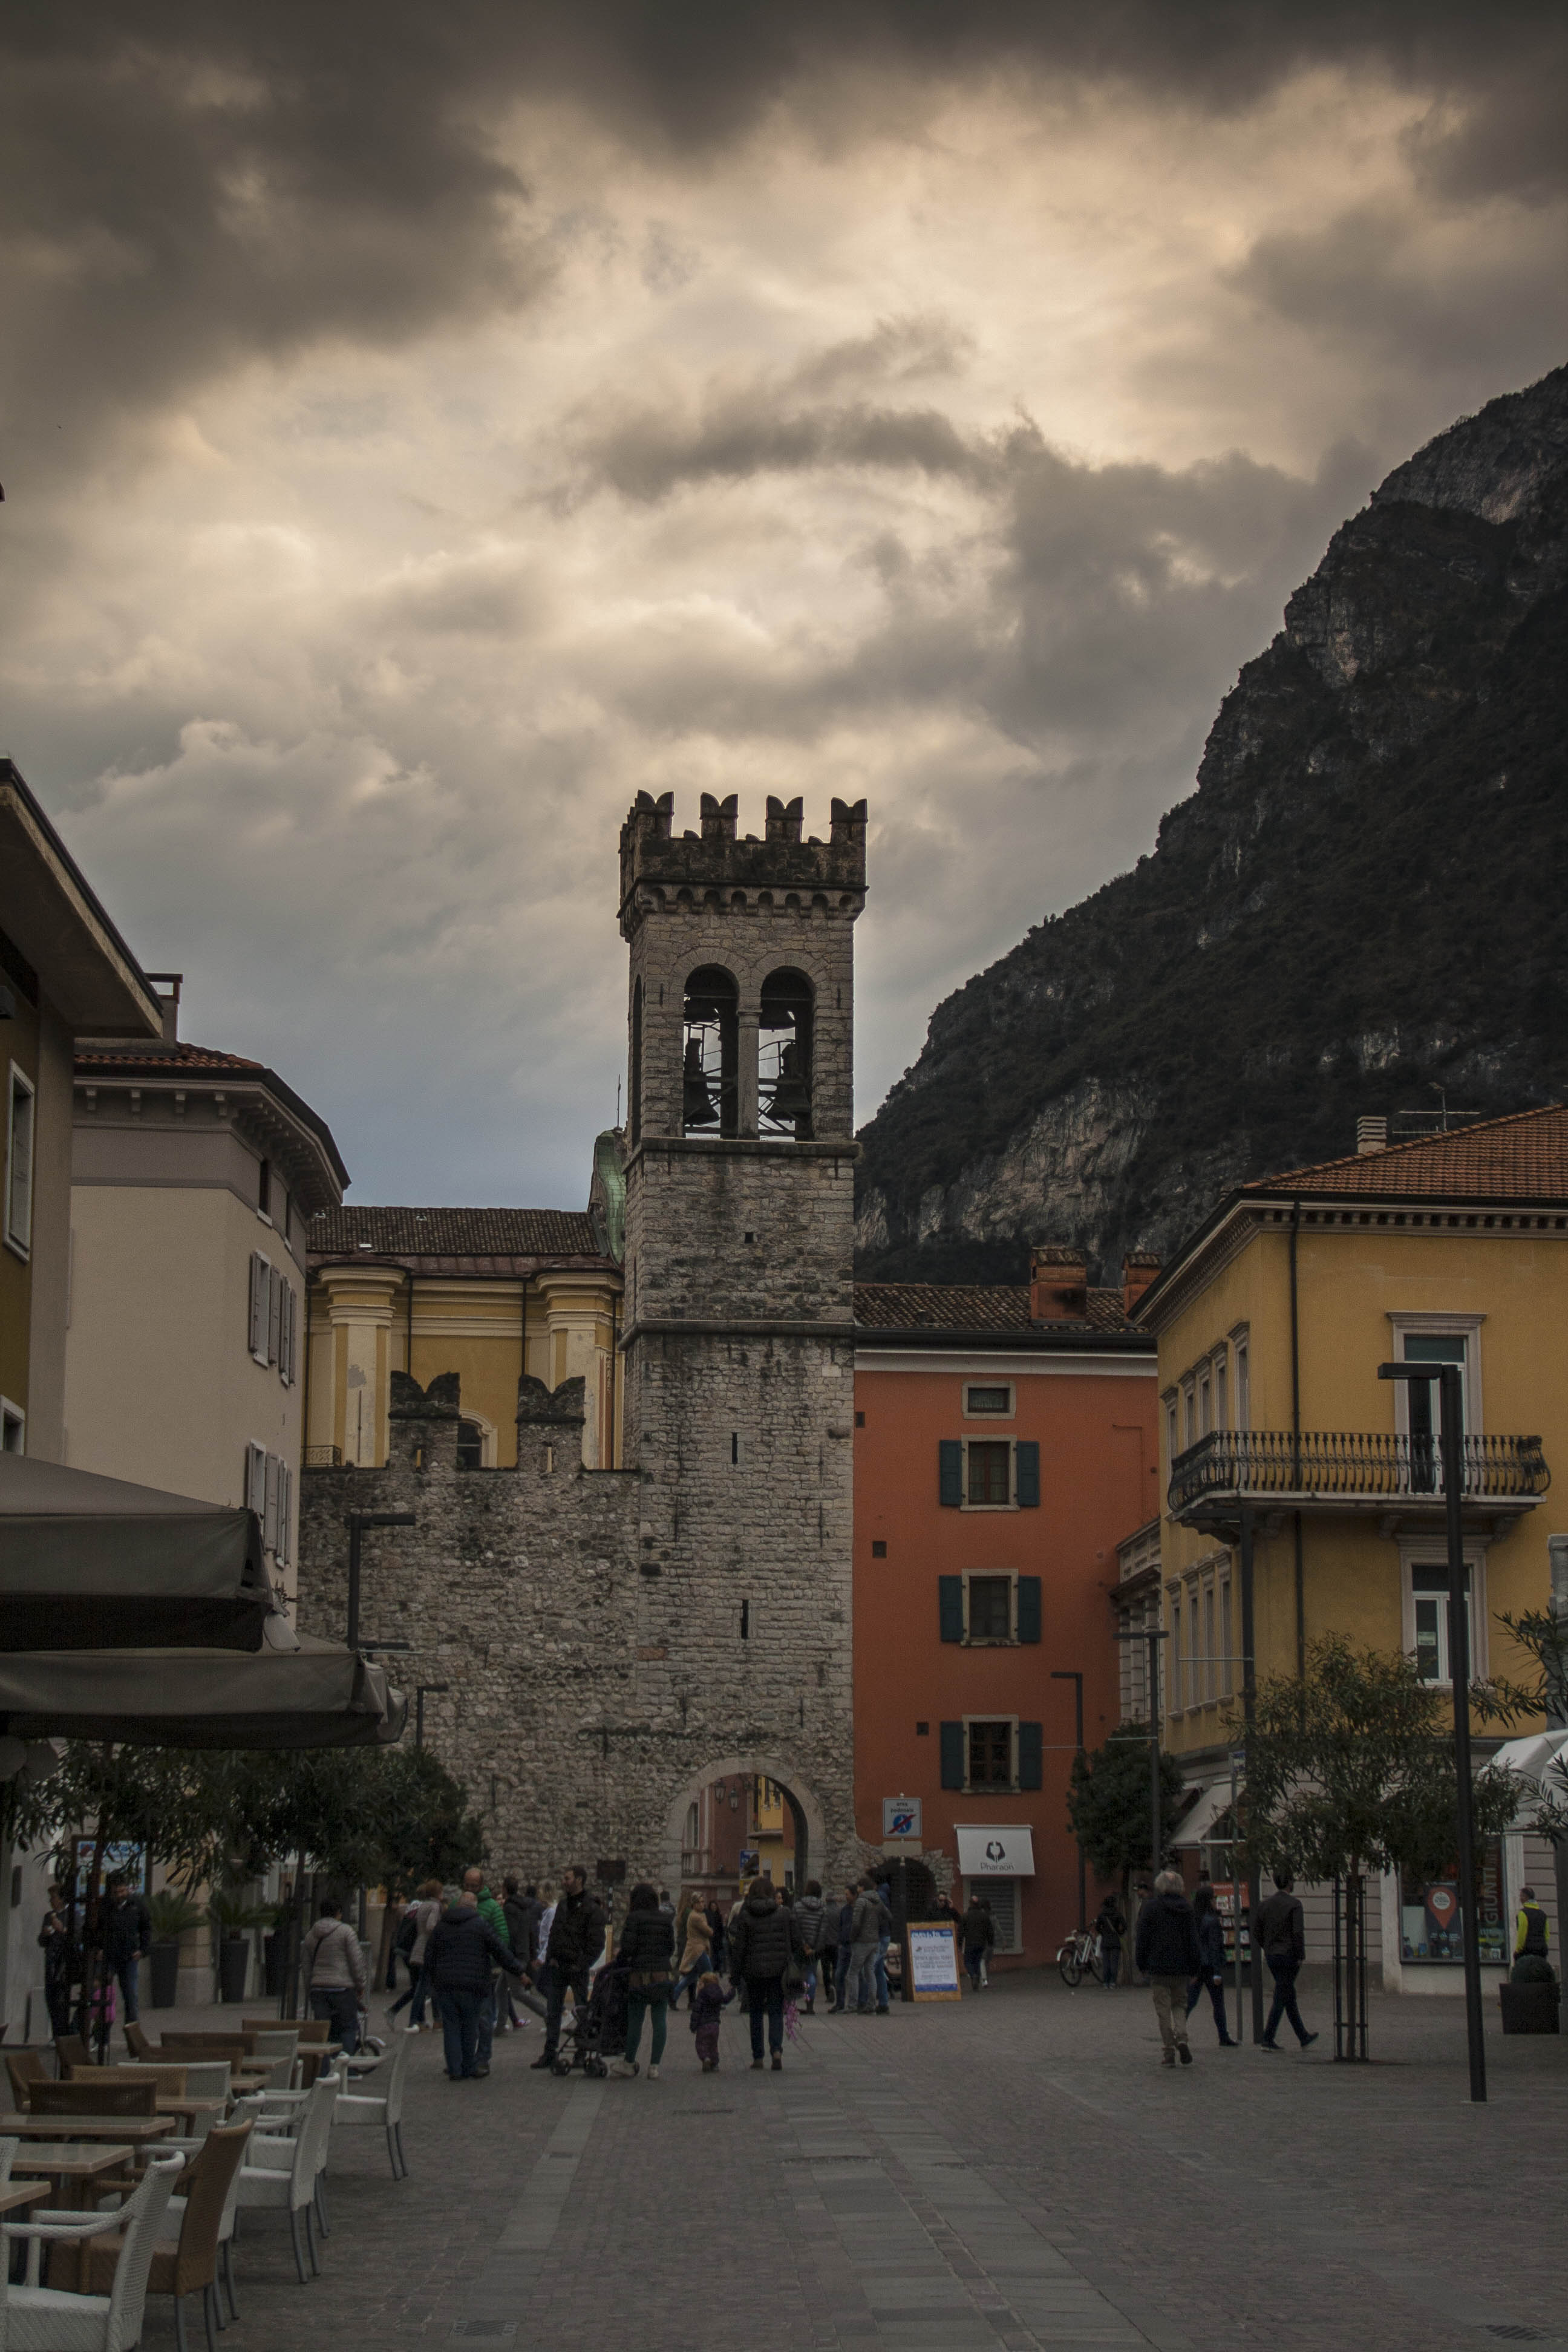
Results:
x,y
1016,2171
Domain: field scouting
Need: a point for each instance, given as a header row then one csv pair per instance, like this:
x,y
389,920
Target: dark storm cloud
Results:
x,y
184,186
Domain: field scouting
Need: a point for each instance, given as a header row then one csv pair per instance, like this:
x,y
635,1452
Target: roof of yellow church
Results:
x,y
457,1241
1523,1157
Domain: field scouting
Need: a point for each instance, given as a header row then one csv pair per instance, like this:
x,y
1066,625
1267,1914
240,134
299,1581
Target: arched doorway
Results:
x,y
741,1817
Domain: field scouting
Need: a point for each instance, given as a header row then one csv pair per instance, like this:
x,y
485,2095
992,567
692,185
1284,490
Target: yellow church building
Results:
x,y
1272,1322
488,1294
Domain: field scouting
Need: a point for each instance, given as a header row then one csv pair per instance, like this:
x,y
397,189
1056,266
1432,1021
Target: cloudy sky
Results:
x,y
423,426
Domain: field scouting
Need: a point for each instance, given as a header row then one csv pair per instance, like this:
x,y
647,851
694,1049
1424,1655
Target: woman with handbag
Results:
x,y
648,1948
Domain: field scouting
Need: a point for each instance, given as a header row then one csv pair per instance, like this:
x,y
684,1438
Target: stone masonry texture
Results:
x,y
612,1640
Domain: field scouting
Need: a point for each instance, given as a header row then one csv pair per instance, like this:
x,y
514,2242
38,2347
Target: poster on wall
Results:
x,y
933,1963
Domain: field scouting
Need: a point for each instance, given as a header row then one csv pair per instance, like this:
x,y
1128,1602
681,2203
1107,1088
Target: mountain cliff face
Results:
x,y
1365,900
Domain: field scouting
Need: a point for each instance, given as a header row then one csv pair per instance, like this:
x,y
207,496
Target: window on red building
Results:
x,y
990,1607
988,1468
990,1755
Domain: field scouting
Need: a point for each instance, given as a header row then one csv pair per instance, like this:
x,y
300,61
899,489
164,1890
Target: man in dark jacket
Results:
x,y
763,1939
521,1907
462,1949
127,1933
1281,1937
1167,1953
576,1941
978,1929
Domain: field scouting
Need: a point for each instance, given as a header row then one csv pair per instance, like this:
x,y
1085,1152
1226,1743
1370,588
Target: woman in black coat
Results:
x,y
1211,1951
647,1948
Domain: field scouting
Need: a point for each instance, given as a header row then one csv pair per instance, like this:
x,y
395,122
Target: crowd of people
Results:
x,y
478,1964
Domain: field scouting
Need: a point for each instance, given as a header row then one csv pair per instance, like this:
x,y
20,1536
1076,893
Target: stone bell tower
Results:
x,y
738,1304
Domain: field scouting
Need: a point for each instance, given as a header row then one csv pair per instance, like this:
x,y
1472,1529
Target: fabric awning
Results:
x,y
1008,1851
1531,1758
92,1563
1195,1826
319,1695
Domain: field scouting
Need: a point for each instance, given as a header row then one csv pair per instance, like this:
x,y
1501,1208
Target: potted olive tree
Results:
x,y
172,1913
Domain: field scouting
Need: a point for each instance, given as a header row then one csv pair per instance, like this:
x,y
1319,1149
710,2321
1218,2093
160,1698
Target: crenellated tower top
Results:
x,y
660,868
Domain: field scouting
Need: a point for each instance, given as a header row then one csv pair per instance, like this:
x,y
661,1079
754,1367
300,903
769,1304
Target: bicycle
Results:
x,y
1079,1957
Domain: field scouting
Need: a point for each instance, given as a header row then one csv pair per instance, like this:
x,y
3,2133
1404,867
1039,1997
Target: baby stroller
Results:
x,y
596,2032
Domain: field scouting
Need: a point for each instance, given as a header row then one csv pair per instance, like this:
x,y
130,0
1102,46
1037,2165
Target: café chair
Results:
x,y
49,2319
25,2068
93,2098
71,2051
185,2260
279,2175
382,2106
136,2041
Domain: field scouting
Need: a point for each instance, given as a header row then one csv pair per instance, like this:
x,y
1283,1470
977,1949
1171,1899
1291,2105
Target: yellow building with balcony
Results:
x,y
1271,1324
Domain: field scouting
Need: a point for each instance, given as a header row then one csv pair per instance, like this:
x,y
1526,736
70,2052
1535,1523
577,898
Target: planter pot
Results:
x,y
233,1967
1530,2008
163,1968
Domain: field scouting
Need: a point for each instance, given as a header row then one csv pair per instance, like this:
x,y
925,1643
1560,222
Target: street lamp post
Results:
x,y
1069,1674
1447,1377
358,1522
1153,1635
419,1691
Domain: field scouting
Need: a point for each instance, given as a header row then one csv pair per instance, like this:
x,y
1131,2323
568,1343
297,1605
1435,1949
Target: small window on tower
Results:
x,y
878,1550
709,1090
783,1056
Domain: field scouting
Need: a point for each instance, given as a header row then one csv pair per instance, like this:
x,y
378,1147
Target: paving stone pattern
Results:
x,y
1017,2172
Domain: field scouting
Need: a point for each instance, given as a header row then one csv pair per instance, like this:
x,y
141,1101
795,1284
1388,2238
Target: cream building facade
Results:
x,y
194,1176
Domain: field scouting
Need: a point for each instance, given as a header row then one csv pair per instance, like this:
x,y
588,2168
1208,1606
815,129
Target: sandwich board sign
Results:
x,y
931,1972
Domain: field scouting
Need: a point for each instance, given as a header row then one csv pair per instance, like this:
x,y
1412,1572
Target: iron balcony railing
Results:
x,y
1349,1464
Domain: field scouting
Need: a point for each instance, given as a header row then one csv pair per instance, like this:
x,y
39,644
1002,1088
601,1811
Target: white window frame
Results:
x,y
258,1308
12,1427
1189,1411
1206,1399
19,1238
1009,1411
1012,1502
1428,1551
487,1430
1008,1640
1172,1429
1440,1327
1221,1375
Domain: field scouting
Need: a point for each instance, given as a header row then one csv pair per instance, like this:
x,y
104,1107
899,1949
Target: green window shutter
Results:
x,y
950,1607
1028,1609
1028,1475
953,1754
950,1472
1031,1755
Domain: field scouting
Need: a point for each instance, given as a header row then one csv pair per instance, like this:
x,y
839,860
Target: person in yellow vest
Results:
x,y
1532,1935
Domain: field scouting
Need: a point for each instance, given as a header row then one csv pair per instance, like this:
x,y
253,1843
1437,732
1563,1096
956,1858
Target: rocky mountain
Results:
x,y
1364,902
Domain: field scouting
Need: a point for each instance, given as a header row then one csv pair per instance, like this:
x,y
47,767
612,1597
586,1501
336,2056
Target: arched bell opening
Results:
x,y
711,1056
785,1055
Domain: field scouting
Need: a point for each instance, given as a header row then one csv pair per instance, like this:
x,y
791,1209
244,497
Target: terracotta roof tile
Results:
x,y
156,1063
469,1233
1523,1157
972,1306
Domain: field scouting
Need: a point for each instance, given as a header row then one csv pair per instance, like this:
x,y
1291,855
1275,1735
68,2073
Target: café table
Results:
x,y
75,2170
188,2110
128,2131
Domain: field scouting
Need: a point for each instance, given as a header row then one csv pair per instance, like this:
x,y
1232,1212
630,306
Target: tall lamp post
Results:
x,y
358,1522
1070,1674
1447,1377
1153,1635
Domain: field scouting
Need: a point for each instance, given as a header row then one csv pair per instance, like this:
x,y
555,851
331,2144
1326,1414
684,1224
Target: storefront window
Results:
x,y
1429,1919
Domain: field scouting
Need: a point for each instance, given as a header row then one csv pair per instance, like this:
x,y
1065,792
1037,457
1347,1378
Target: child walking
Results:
x,y
709,2002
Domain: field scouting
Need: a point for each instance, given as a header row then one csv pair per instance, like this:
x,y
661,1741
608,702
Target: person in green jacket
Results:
x,y
494,1917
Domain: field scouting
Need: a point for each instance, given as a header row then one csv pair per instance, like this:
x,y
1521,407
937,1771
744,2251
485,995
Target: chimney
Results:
x,y
1058,1284
1138,1270
165,986
1372,1134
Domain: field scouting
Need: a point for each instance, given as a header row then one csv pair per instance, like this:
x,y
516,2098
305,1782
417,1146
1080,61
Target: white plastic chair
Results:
x,y
280,2174
46,2319
384,2104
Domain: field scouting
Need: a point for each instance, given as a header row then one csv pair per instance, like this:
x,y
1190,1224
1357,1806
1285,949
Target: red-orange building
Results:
x,y
1004,1443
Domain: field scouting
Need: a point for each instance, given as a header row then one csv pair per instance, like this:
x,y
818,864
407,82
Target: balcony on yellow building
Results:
x,y
1374,1473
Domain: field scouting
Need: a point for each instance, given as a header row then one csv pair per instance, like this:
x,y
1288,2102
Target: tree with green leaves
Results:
x,y
1109,1803
1350,1768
